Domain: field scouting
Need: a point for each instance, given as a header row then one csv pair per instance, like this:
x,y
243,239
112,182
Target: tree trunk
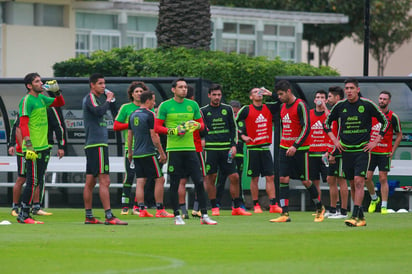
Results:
x,y
184,23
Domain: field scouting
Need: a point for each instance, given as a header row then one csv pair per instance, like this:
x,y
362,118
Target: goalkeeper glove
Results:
x,y
192,125
178,131
52,86
30,155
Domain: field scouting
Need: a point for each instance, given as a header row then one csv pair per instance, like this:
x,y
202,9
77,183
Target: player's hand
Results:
x,y
31,155
177,131
191,126
60,153
162,158
291,151
52,86
12,151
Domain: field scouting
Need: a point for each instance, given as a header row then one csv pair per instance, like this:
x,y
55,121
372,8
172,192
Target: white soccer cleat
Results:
x,y
205,220
179,220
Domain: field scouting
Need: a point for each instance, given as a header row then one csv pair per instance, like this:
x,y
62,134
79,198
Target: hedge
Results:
x,y
237,73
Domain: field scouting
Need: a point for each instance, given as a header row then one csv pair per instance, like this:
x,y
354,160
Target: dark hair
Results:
x,y
387,93
353,81
29,78
95,77
336,90
321,91
174,83
190,92
215,87
282,85
145,96
235,104
133,86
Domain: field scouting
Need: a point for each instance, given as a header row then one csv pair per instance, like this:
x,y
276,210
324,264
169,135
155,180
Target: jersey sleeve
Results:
x,y
303,113
396,123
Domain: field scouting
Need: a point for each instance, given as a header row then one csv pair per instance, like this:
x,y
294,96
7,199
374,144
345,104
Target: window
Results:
x,y
270,30
140,41
22,14
139,23
286,30
246,29
287,50
88,41
230,28
96,21
247,47
53,15
270,49
229,45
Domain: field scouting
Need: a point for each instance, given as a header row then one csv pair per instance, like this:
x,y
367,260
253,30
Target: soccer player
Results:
x,y
255,127
355,114
177,118
121,122
143,154
294,150
382,154
220,148
34,130
318,148
335,173
95,106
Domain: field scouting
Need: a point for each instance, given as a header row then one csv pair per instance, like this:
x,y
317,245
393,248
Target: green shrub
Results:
x,y
237,73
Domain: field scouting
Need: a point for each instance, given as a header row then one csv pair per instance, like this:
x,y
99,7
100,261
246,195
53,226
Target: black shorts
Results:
x,y
147,167
295,167
217,160
184,164
202,165
21,165
97,159
382,161
317,168
355,164
336,169
259,163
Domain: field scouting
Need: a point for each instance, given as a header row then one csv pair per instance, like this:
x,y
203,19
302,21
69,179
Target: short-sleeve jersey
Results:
x,y
123,117
174,114
94,111
36,109
141,122
295,121
319,139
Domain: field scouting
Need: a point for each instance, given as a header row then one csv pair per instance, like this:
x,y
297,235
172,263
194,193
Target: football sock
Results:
x,y
196,205
355,212
108,213
255,202
141,206
213,203
384,204
127,189
183,208
332,209
343,211
374,196
159,206
89,213
273,201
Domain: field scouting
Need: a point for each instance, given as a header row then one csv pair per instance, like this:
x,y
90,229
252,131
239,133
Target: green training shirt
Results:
x,y
36,109
174,114
123,117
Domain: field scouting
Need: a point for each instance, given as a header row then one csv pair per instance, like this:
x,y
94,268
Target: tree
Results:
x,y
184,23
390,27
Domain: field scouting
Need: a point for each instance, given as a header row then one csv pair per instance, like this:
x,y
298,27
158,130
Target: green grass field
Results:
x,y
238,244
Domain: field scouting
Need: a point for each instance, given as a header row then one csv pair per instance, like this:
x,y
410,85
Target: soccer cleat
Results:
x,y
284,218
114,221
338,216
215,211
373,204
15,212
354,222
196,213
161,213
319,217
179,220
135,211
240,211
205,220
384,210
28,220
125,211
144,213
257,209
92,221
275,208
185,216
41,212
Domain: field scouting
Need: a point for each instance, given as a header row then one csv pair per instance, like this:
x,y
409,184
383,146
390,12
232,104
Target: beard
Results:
x,y
383,106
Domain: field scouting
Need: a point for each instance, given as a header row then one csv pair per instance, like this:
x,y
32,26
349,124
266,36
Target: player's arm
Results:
x,y
129,144
12,139
118,126
232,127
303,113
241,124
156,140
396,125
385,125
24,126
58,101
93,106
57,126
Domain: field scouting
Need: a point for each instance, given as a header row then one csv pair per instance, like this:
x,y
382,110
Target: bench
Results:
x,y
398,168
71,164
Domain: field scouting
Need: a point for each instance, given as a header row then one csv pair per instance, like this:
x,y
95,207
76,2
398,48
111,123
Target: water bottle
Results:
x,y
132,164
229,156
319,102
114,99
325,160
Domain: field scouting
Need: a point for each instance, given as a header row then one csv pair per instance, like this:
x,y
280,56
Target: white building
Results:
x,y
35,34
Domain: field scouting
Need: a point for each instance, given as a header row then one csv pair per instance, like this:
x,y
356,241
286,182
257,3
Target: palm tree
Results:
x,y
184,23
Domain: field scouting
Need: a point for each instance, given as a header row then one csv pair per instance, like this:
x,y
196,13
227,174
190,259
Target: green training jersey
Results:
x,y
36,109
123,117
174,114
